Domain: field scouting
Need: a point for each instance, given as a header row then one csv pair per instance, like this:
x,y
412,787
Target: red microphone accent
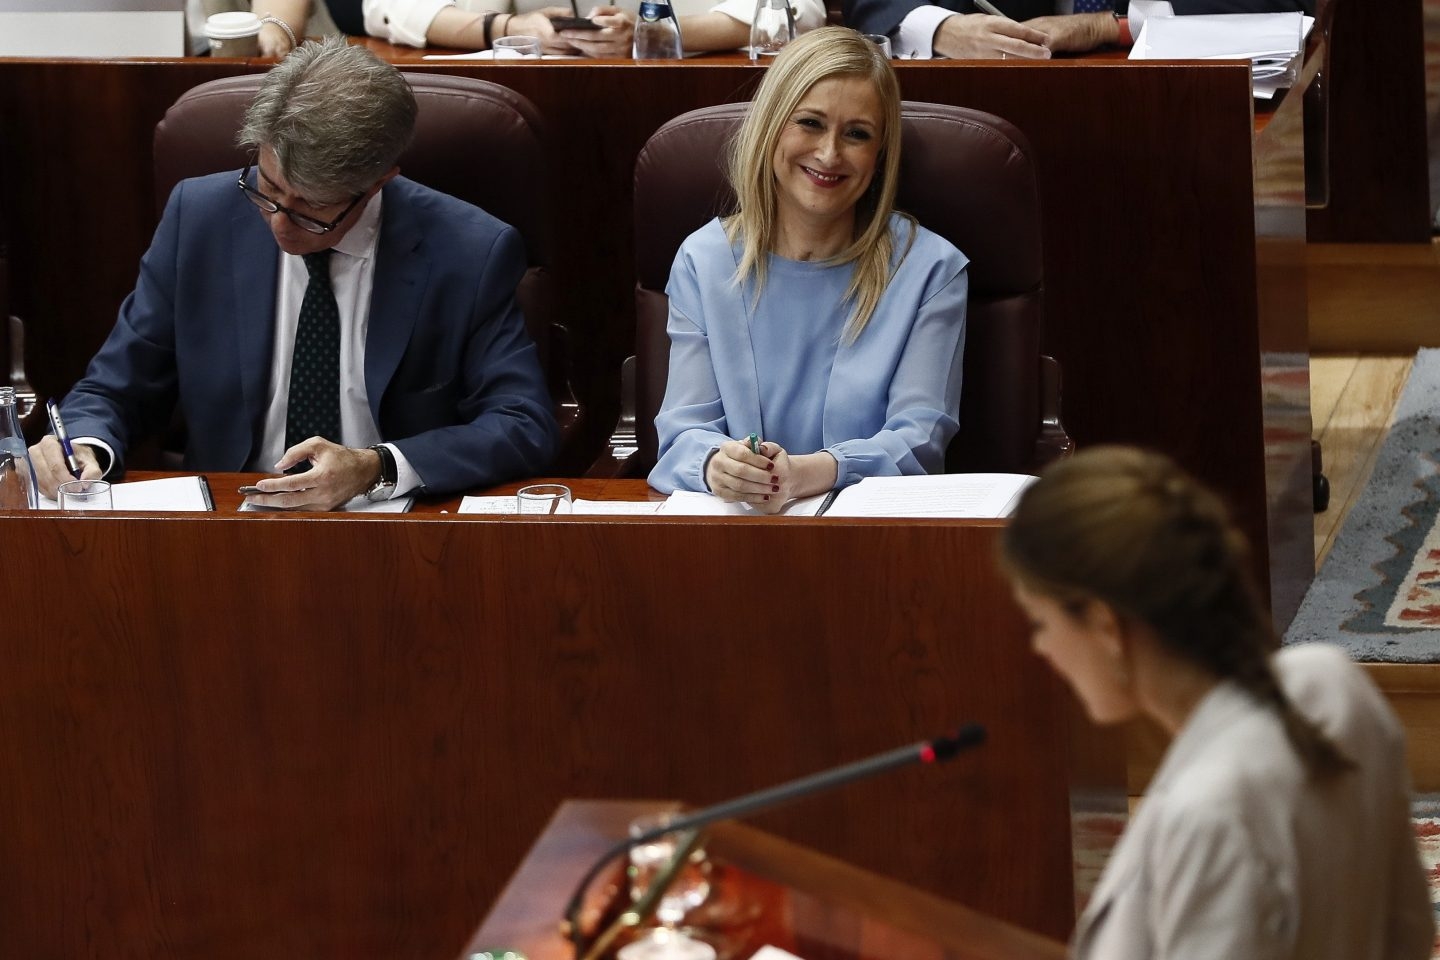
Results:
x,y
927,754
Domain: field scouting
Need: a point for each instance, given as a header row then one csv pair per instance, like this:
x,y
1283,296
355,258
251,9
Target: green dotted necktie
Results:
x,y
314,401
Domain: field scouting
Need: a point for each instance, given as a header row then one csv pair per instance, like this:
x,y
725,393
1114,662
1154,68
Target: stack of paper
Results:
x,y
1272,42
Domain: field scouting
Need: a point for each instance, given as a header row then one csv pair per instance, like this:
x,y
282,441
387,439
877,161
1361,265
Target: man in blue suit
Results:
x,y
1034,29
322,316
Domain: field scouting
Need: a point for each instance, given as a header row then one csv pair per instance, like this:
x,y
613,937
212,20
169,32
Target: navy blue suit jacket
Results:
x,y
883,16
452,377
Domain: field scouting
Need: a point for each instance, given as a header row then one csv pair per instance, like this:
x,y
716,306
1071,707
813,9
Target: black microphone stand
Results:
x,y
926,751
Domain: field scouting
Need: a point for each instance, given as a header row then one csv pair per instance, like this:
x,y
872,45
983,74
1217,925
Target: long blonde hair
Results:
x,y
816,56
1131,529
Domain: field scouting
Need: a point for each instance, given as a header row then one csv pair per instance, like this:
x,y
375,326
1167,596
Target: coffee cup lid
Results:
x,y
228,26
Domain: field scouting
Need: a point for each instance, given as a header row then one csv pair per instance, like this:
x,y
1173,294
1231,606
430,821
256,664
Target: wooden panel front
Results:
x,y
326,737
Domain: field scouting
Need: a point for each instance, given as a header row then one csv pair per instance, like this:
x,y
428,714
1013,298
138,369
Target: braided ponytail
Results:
x,y
1131,529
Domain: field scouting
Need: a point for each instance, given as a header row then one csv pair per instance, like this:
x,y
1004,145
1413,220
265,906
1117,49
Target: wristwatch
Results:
x,y
385,485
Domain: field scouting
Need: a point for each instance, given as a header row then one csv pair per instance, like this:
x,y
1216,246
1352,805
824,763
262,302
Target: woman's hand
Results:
x,y
803,475
538,25
739,475
614,40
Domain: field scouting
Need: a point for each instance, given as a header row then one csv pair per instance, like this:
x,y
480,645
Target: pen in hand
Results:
x,y
754,441
991,9
58,426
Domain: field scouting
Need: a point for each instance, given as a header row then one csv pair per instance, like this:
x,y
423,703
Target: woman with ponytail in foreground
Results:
x,y
1278,824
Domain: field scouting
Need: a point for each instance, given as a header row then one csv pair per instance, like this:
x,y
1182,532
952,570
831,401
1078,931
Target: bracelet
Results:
x,y
488,23
283,26
505,27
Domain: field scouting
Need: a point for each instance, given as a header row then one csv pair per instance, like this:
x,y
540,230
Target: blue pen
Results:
x,y
64,438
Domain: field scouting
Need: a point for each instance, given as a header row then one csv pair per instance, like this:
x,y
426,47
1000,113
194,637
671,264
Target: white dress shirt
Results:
x,y
914,38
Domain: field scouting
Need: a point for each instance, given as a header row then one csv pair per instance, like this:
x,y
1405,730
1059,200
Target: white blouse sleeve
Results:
x,y
401,21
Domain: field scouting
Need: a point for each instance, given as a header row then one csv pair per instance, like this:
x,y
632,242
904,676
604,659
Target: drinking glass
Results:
x,y
543,499
516,48
881,41
85,495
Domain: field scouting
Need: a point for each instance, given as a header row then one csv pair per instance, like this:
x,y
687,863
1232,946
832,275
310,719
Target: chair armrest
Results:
x,y
619,459
1052,443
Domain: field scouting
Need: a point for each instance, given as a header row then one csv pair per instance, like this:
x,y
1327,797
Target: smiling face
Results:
x,y
827,153
1086,649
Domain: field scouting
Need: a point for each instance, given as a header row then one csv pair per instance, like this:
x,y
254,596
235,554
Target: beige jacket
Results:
x,y
1235,855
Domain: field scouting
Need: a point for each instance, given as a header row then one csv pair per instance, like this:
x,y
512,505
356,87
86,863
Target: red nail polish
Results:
x,y
774,479
767,496
775,488
771,465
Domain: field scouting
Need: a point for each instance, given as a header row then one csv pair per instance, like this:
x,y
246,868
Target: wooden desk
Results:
x,y
1169,316
327,736
815,905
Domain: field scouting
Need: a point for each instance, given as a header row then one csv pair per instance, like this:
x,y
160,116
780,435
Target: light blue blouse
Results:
x,y
885,405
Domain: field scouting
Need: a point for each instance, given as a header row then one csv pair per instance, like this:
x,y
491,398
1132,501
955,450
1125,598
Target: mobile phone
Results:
x,y
574,23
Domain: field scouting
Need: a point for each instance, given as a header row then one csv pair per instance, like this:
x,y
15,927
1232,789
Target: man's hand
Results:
x,y
337,474
51,470
979,36
1077,32
613,41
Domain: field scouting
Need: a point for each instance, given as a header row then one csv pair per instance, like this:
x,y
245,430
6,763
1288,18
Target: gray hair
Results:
x,y
337,117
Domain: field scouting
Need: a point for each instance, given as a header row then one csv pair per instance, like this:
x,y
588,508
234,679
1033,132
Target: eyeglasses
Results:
x,y
309,224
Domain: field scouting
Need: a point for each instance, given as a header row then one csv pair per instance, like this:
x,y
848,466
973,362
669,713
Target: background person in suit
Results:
x,y
1278,824
816,316
323,309
1036,28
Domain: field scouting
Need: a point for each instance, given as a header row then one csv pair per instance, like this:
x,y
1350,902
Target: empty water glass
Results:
x,y
85,495
515,48
543,499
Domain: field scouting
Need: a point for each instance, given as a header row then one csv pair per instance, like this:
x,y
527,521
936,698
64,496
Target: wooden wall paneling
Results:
x,y
230,738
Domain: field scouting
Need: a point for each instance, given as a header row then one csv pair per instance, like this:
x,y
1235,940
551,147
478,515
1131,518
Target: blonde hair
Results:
x,y
1131,529
816,56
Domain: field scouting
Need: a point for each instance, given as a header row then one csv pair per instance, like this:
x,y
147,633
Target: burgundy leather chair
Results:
x,y
968,176
474,140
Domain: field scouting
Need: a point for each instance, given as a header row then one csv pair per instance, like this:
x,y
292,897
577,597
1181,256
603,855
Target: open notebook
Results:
x,y
963,495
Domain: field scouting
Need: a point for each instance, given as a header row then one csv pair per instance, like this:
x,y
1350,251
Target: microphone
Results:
x,y
938,750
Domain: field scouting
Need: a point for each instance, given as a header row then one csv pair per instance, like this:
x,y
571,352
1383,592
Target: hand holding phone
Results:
x,y
574,23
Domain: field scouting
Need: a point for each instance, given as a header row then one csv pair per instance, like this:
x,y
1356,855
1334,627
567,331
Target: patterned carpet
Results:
x,y
1097,833
1381,583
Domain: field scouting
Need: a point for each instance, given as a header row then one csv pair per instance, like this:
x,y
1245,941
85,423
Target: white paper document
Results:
x,y
616,508
1272,42
495,505
360,504
168,494
965,495
687,503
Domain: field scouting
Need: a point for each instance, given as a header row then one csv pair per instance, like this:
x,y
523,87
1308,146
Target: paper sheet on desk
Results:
x,y
1270,41
960,495
687,503
357,505
167,494
490,55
